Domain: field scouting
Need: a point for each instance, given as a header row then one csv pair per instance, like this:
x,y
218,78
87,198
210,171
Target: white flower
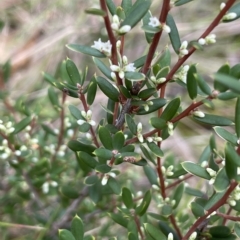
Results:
x,y
182,74
45,187
170,236
166,28
70,132
183,49
193,236
139,132
116,26
88,116
130,67
124,29
201,41
154,22
211,38
199,114
170,128
18,153
104,47
222,5
230,16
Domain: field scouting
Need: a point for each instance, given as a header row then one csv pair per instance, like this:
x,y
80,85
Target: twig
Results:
x,y
228,217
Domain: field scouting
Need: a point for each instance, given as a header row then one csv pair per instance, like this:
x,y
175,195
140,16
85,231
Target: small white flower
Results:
x,y
183,49
201,41
170,236
199,114
232,202
139,132
70,132
182,74
166,28
211,172
222,5
18,153
14,161
204,164
154,22
54,183
116,26
130,67
104,47
113,76
163,169
193,236
92,123
230,16
105,179
124,29
122,69
88,136
80,122
45,187
211,38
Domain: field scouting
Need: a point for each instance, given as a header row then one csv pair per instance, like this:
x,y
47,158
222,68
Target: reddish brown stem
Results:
x,y
173,221
224,217
179,181
228,217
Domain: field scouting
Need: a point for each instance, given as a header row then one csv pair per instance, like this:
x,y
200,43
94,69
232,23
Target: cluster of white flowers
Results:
x,y
139,132
6,128
154,139
88,118
182,74
154,22
46,185
51,149
5,150
170,128
122,67
107,176
234,197
212,174
167,172
183,49
104,47
228,16
147,104
116,26
62,150
165,201
210,39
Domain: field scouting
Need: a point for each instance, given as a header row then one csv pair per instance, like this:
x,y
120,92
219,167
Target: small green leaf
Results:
x,y
126,5
214,120
91,180
48,129
181,2
103,153
69,191
140,61
171,109
237,117
192,82
194,192
165,58
220,231
108,89
65,235
103,168
134,76
147,154
92,90
73,72
224,69
235,71
77,146
142,208
154,232
18,127
145,21
88,159
132,236
157,103
103,68
224,134
203,85
53,97
214,199
150,29
227,95
155,149
196,170
146,93
114,185
136,13
111,7
158,123
178,193
77,228
166,210
76,113
105,137
237,229
197,210
118,140
95,11
119,219
131,124
163,72
86,50
173,35
228,81
127,198
221,182
125,91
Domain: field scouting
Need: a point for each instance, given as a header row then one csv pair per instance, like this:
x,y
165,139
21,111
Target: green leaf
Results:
x,y
158,123
196,170
69,191
103,153
150,29
92,90
103,68
65,235
197,210
146,93
103,168
134,76
131,124
111,7
53,97
145,21
220,231
203,85
48,129
224,69
76,113
192,82
73,72
171,109
118,140
237,229
154,232
165,58
237,117
108,89
126,5
224,134
125,91
194,192
157,103
86,50
234,9
221,182
227,95
127,198
140,61
77,228
114,185
136,13
232,161
88,159
132,236
166,210
214,199
214,120
142,208
181,2
105,137
235,71
119,219
95,11
228,81
173,35
18,127
178,193
77,146
155,149
147,155
163,72
91,180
